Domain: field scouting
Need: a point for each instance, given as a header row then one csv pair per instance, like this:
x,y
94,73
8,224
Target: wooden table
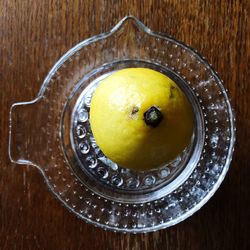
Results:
x,y
34,34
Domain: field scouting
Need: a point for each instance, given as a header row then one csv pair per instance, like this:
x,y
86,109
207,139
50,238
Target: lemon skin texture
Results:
x,y
117,118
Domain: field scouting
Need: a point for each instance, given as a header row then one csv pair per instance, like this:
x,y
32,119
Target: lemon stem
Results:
x,y
153,116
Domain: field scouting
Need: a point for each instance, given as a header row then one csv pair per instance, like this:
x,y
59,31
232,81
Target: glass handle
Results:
x,y
26,126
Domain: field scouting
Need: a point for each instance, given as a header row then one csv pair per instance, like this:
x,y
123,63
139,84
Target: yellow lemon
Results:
x,y
140,118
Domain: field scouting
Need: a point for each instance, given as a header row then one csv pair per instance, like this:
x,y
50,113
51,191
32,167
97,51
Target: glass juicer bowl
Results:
x,y
63,149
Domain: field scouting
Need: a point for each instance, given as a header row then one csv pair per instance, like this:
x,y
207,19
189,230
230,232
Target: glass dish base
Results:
x,y
91,186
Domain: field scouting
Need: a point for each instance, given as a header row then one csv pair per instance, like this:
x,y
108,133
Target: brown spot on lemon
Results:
x,y
134,111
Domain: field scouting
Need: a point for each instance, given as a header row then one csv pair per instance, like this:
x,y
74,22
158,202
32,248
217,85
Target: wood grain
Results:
x,y
34,34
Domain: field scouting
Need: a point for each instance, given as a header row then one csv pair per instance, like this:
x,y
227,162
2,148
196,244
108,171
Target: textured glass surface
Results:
x,y
62,147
